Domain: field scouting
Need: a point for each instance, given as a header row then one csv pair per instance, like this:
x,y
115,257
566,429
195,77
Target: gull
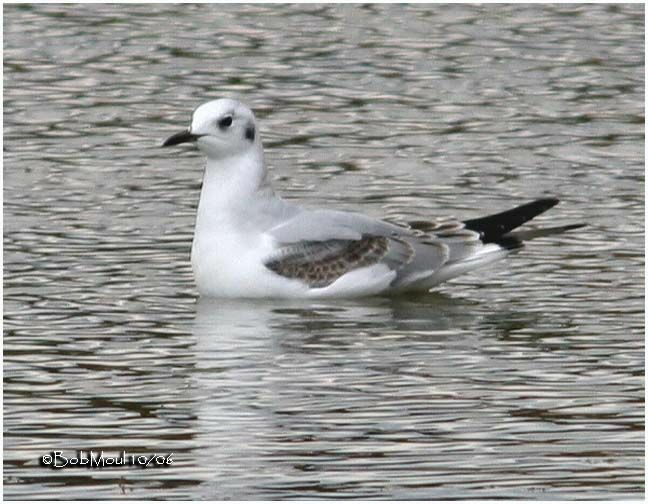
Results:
x,y
250,243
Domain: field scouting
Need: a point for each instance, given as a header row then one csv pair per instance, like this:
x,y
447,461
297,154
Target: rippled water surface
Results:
x,y
525,381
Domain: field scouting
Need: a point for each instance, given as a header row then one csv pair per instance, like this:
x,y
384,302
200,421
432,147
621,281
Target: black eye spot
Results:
x,y
225,122
249,132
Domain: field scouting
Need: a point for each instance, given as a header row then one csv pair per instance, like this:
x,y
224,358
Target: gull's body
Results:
x,y
248,242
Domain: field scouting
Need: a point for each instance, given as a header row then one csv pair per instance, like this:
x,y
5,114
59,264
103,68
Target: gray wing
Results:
x,y
320,246
321,225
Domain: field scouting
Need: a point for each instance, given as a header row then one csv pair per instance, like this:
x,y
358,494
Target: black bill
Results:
x,y
182,137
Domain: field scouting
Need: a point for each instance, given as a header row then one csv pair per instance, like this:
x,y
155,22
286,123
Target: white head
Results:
x,y
220,128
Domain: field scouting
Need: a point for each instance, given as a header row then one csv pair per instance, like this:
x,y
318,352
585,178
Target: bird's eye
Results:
x,y
225,122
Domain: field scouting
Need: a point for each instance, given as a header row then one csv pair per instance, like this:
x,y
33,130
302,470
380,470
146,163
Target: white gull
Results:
x,y
249,242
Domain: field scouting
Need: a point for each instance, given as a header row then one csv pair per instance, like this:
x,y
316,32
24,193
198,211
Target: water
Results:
x,y
526,381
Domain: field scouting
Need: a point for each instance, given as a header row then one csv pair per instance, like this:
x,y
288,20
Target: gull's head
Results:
x,y
220,128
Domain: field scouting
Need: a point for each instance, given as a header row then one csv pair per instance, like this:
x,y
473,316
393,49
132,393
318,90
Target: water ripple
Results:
x,y
523,382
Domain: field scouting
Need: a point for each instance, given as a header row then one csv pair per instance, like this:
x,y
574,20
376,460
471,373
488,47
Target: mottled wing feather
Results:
x,y
320,263
336,243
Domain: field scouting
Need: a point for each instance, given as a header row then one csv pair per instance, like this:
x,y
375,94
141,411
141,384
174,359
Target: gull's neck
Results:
x,y
232,185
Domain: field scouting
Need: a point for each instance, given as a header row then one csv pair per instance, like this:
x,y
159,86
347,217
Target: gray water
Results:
x,y
522,381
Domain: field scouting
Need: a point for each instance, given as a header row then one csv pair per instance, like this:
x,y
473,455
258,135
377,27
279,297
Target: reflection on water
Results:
x,y
525,381
345,398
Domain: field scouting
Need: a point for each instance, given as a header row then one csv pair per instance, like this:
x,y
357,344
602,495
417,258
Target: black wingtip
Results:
x,y
535,207
492,228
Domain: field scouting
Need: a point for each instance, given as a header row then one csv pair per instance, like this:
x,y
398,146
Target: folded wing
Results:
x,y
321,246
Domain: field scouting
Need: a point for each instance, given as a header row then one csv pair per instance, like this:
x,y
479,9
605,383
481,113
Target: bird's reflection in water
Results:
x,y
289,384
221,319
241,328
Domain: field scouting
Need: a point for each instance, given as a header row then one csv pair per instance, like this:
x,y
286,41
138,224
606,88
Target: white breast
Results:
x,y
228,263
